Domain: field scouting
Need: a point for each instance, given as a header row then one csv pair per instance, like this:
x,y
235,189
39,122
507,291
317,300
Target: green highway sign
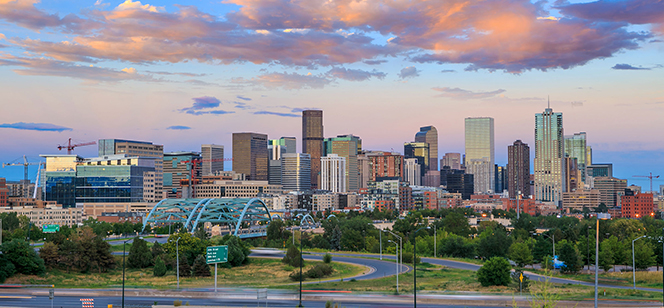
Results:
x,y
50,228
217,254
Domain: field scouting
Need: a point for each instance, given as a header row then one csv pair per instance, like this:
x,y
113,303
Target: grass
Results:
x,y
643,279
118,248
260,272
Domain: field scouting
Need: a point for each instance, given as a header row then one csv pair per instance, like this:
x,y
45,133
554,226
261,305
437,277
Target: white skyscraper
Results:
x,y
296,171
549,156
213,158
333,173
412,171
479,137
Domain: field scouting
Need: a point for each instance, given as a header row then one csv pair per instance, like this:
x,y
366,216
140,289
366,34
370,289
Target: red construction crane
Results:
x,y
194,164
70,147
649,177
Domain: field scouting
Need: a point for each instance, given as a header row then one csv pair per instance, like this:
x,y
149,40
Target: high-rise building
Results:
x,y
461,183
140,149
480,153
363,170
296,171
212,158
500,179
4,193
429,135
419,151
549,156
312,141
518,169
59,179
575,147
178,167
112,179
572,174
280,146
333,173
385,164
598,170
250,155
610,189
346,146
637,205
452,160
412,171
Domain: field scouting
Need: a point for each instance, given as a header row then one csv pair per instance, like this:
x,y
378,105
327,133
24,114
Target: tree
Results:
x,y
201,269
276,231
621,254
456,223
352,240
520,253
605,256
237,252
188,245
335,240
139,254
156,250
570,256
327,258
49,253
159,267
201,233
24,257
494,243
458,247
293,257
185,268
495,272
7,268
643,255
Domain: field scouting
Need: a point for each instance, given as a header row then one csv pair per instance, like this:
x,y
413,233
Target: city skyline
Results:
x,y
65,74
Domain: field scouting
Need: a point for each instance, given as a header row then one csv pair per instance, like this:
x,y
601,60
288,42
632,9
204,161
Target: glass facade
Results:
x,y
346,146
549,156
480,153
419,151
575,147
110,183
312,141
60,187
429,134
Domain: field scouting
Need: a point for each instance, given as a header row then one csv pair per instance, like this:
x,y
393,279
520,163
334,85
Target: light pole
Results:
x,y
396,261
602,216
518,205
177,260
301,261
588,246
553,239
124,245
633,260
400,260
415,265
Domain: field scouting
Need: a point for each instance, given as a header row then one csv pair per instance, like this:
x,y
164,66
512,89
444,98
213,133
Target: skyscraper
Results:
x,y
429,134
213,158
312,141
480,153
250,155
177,167
412,171
452,160
518,169
549,156
296,171
575,147
346,146
140,149
385,164
419,151
333,173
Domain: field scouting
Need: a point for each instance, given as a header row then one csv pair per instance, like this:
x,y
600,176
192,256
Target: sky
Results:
x,y
188,73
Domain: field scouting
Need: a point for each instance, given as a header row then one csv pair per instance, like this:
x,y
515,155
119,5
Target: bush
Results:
x,y
292,257
159,267
177,303
201,268
408,258
327,258
295,276
319,271
24,257
140,255
495,272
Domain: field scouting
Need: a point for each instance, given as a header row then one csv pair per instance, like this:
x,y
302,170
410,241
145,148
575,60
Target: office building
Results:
x,y
610,190
250,155
444,171
50,215
312,141
212,159
600,170
363,170
549,157
637,205
140,149
419,151
500,179
296,171
412,171
346,146
178,168
581,198
576,147
429,135
461,183
333,173
112,178
286,144
59,179
452,160
385,164
4,193
572,174
431,179
518,169
480,153
236,189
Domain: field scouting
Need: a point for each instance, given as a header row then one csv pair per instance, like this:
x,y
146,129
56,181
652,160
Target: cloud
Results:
x,y
201,104
292,81
636,12
176,73
2,36
243,98
281,114
242,105
178,127
131,5
35,126
374,62
353,74
408,72
448,71
461,94
628,67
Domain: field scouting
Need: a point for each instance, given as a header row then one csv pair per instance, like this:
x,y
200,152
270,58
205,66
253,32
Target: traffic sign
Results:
x,y
50,228
521,277
217,254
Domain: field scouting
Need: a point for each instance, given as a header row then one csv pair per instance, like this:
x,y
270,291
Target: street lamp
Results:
x,y
518,206
415,265
602,216
124,244
633,261
177,260
553,239
380,241
588,246
301,261
400,260
396,261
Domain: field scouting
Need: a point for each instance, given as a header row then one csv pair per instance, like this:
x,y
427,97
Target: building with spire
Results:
x,y
549,156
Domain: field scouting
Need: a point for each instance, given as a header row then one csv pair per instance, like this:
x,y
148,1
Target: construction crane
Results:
x,y
70,147
193,164
25,165
649,177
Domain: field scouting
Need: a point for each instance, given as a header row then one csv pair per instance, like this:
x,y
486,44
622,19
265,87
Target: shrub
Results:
x,y
201,268
295,276
159,267
327,258
408,258
177,303
319,271
292,257
495,272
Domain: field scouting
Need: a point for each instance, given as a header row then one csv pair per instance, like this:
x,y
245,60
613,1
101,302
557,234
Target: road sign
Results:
x,y
217,254
50,228
51,293
521,277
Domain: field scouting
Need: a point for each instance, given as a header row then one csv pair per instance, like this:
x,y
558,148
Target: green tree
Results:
x,y
494,243
49,253
327,258
159,267
7,268
570,256
456,223
621,254
237,252
188,245
605,256
495,272
201,233
185,268
201,269
276,231
24,257
335,240
643,255
293,257
352,240
157,250
458,247
139,254
520,253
